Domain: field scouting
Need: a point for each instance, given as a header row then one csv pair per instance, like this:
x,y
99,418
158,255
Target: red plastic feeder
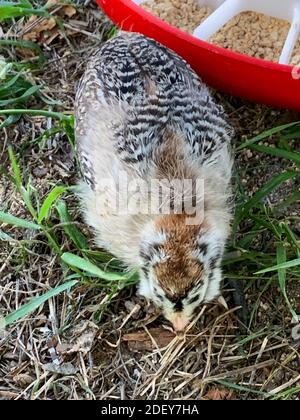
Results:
x,y
237,74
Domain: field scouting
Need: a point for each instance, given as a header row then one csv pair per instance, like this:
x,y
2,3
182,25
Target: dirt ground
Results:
x,y
89,343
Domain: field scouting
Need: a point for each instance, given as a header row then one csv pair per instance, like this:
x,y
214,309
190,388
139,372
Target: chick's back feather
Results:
x,y
151,91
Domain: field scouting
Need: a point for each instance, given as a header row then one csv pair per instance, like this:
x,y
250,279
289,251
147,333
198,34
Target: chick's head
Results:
x,y
180,267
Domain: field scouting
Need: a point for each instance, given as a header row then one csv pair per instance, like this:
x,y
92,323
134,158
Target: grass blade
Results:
x,y
16,221
291,199
288,264
264,192
29,92
49,200
291,238
23,44
274,151
268,188
265,134
15,168
239,387
5,86
18,182
23,3
281,260
38,112
286,394
74,261
34,303
11,119
74,234
5,237
19,10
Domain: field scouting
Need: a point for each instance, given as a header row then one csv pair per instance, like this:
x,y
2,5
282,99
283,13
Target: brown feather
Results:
x,y
170,159
181,270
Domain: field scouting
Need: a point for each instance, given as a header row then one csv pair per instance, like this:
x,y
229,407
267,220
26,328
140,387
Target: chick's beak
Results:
x,y
179,323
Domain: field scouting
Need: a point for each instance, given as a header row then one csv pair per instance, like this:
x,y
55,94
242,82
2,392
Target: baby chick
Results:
x,y
143,115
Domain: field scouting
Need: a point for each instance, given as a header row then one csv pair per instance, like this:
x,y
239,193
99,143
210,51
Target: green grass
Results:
x,y
21,8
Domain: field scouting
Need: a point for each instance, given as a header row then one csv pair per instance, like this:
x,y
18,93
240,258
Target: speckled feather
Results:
x,y
159,90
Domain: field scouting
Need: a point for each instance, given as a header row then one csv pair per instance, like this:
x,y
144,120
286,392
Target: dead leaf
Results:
x,y
8,394
83,338
36,28
141,341
23,379
219,394
70,11
45,30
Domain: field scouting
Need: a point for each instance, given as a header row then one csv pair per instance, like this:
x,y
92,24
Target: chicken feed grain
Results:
x,y
185,14
250,33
